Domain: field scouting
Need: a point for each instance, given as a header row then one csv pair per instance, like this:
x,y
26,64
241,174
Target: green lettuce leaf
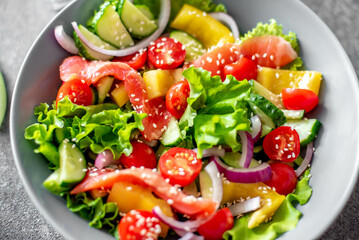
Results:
x,y
98,213
273,28
216,110
95,128
284,219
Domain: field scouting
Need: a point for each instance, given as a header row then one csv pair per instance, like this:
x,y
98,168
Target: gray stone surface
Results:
x,y
21,21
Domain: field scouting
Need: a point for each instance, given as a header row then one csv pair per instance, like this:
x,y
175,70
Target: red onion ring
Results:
x,y
188,226
65,41
162,23
259,173
247,149
306,161
188,235
105,159
217,184
256,128
209,152
228,21
245,206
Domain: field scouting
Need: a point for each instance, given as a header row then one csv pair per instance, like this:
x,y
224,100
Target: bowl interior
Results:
x,y
335,164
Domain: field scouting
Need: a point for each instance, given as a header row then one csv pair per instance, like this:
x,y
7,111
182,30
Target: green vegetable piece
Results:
x,y
3,99
52,183
307,129
146,11
194,48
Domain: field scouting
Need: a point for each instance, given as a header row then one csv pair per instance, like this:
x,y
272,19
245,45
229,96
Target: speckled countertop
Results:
x,y
20,23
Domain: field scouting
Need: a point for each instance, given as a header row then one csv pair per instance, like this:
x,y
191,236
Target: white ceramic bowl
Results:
x,y
335,164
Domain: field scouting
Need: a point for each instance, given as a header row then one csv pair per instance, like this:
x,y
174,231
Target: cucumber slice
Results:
x,y
52,183
232,160
273,98
87,52
135,21
193,46
94,95
72,164
146,11
293,114
103,87
172,136
3,99
269,114
108,26
307,129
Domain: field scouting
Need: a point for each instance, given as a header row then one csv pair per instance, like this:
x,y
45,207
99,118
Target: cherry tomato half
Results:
x,y
180,166
244,68
166,53
78,92
136,60
282,144
138,225
214,228
297,99
176,98
142,156
284,179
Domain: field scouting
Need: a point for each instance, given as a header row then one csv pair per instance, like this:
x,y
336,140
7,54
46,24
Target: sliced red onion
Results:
x,y
212,152
188,226
105,159
247,149
188,235
245,206
260,173
162,23
256,128
65,41
228,21
217,184
306,161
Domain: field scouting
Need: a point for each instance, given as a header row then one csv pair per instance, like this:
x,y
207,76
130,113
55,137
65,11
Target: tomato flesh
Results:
x,y
166,53
180,166
214,228
136,60
284,179
282,144
138,225
142,156
78,92
244,68
176,98
298,99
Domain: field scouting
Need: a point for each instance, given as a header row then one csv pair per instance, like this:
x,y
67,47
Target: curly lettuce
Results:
x,y
95,128
99,214
284,219
216,110
273,28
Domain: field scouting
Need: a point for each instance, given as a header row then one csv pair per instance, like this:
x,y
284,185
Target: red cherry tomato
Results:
x,y
244,68
284,179
166,53
282,144
136,60
176,98
138,225
142,156
297,99
180,166
214,228
78,92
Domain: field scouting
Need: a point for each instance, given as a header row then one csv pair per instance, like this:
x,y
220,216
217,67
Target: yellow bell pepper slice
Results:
x,y
206,29
270,199
128,196
277,79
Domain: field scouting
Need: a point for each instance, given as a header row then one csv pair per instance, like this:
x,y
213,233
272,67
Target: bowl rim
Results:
x,y
35,199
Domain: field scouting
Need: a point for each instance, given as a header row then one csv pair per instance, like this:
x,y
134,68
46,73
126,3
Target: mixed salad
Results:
x,y
171,124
